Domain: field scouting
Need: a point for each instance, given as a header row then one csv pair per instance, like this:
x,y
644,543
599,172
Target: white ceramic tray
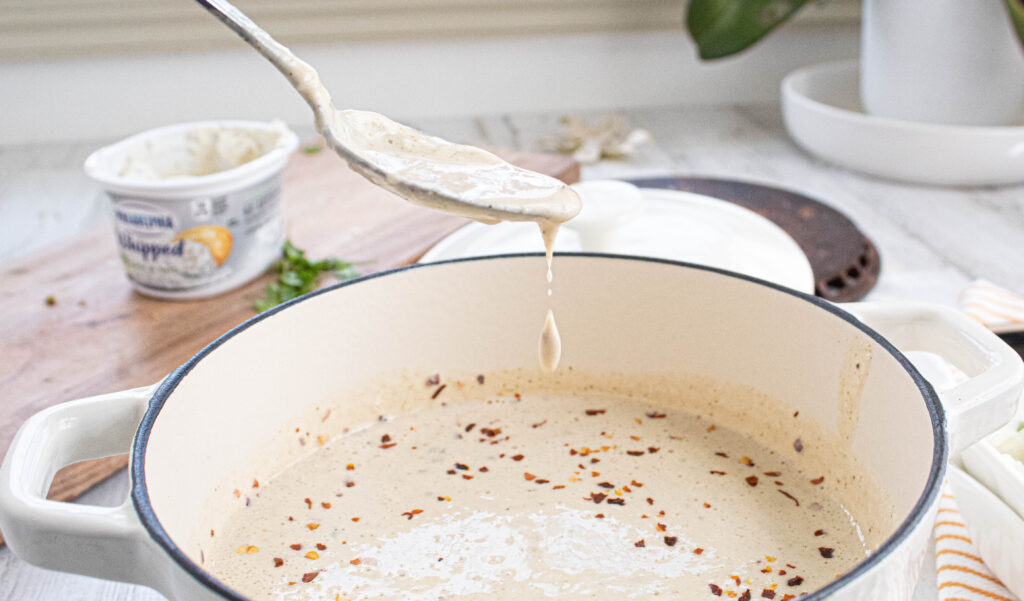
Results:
x,y
672,225
822,111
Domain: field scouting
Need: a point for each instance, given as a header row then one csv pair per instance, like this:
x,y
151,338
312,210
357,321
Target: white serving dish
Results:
x,y
670,224
822,111
218,415
996,530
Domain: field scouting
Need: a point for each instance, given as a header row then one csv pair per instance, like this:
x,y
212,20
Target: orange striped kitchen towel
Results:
x,y
961,574
996,308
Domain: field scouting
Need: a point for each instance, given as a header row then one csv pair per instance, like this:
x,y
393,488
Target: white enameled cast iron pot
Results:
x,y
217,412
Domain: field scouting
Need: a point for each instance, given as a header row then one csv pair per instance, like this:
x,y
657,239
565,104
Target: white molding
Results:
x,y
58,29
109,97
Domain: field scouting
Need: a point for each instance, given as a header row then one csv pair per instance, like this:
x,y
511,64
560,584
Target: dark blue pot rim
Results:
x,y
940,453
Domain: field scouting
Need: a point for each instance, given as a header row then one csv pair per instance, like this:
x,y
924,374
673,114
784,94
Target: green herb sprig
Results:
x,y
297,275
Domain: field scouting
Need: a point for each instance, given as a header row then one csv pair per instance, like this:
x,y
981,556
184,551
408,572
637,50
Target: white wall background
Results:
x,y
106,97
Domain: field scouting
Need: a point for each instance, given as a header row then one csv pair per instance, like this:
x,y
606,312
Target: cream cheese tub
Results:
x,y
197,206
214,434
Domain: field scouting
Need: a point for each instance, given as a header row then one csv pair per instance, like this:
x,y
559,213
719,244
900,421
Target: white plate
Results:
x,y
673,225
822,111
995,529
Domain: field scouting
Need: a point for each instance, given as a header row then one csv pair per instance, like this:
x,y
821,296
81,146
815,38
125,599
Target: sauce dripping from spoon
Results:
x,y
425,170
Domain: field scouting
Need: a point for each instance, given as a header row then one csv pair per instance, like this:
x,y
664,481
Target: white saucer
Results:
x,y
673,225
822,111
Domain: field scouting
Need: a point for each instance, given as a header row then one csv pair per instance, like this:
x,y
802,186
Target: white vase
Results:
x,y
941,61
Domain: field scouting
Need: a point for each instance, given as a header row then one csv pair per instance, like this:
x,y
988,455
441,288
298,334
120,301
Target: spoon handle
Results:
x,y
299,73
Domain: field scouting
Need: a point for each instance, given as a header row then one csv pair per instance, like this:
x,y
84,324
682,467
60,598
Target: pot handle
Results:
x,y
104,542
988,398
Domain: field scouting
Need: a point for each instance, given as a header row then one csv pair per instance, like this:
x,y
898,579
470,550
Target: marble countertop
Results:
x,y
932,241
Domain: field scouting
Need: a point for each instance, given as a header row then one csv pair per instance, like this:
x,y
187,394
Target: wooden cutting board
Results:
x,y
101,336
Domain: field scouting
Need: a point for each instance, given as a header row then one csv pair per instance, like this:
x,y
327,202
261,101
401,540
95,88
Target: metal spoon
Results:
x,y
422,169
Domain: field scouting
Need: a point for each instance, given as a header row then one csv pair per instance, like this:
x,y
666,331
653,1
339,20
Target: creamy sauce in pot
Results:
x,y
568,492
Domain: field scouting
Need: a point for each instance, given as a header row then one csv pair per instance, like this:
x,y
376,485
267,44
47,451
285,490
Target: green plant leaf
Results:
x,y
724,27
1016,10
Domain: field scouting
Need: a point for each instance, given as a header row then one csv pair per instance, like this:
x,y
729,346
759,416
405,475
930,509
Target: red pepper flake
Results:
x,y
752,480
538,424
296,546
606,485
594,411
616,501
325,504
573,452
636,484
528,476
745,596
789,565
434,380
238,493
470,427
597,497
661,527
789,496
355,519
721,454
773,474
599,516
278,562
698,551
787,597
818,480
671,540
480,379
438,391
768,593
484,468
541,481
461,466
711,428
558,487
321,546
795,581
349,483
747,461
655,415
635,453
735,579
409,514
326,415
718,472
650,501
309,576
350,467
707,506
640,543
819,532
653,449
826,552
385,438
356,561
312,526
490,432
467,477
451,472
716,590
517,457
255,483
782,572
798,445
